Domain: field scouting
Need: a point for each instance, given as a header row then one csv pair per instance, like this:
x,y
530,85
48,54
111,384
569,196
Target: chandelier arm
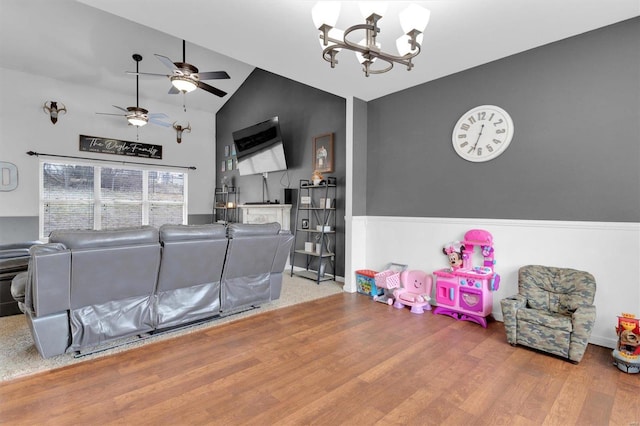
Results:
x,y
368,70
404,60
366,27
338,44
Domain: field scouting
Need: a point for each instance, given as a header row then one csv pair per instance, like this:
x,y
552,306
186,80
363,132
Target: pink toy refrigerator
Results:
x,y
466,292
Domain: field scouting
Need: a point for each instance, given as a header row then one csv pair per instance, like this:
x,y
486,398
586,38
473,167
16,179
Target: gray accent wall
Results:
x,y
303,112
359,203
575,154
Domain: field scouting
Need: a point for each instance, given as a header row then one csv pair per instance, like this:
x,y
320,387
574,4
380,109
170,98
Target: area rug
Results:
x,y
19,357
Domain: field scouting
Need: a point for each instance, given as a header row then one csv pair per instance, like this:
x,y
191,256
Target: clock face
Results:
x,y
482,133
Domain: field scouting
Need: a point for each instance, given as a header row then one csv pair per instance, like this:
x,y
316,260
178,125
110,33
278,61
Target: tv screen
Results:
x,y
259,148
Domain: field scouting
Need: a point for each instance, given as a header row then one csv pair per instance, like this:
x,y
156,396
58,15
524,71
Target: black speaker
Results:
x,y
289,195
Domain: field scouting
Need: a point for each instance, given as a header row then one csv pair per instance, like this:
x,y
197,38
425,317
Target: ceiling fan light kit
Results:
x,y
183,84
413,19
137,116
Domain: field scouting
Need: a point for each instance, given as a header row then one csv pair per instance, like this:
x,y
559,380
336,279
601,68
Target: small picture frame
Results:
x,y
226,150
233,149
305,224
230,164
224,166
323,153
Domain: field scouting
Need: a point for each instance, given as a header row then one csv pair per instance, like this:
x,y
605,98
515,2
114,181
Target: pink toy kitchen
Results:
x,y
464,291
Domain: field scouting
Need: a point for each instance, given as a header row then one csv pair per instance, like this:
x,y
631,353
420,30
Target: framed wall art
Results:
x,y
323,153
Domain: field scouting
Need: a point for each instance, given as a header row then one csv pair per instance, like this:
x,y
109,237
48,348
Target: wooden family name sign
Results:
x,y
114,146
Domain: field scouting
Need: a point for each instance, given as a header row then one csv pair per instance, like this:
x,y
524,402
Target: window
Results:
x,y
85,196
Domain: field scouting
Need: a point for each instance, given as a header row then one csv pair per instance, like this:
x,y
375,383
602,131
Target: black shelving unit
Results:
x,y
225,205
315,231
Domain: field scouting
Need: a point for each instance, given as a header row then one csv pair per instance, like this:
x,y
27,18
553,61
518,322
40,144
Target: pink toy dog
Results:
x,y
415,291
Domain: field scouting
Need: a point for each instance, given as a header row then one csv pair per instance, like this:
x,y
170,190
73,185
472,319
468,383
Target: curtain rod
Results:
x,y
37,154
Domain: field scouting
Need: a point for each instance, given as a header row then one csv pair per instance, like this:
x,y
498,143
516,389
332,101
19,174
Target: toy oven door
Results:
x,y
471,299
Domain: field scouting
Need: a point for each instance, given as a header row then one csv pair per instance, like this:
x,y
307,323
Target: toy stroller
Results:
x,y
388,280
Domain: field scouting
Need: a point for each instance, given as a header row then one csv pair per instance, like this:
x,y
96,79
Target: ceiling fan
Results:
x,y
186,78
137,116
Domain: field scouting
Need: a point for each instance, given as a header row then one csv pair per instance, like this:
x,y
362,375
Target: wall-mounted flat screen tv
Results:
x,y
259,148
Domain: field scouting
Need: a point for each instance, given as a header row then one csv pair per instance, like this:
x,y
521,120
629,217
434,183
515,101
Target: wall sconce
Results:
x,y
51,108
179,129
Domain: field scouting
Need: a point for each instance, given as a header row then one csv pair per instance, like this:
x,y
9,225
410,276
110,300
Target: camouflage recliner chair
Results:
x,y
552,312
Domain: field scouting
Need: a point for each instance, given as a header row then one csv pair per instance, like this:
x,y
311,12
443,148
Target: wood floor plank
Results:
x,y
341,360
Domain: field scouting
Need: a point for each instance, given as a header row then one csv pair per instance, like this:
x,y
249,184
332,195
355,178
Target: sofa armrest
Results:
x,y
49,279
583,320
510,307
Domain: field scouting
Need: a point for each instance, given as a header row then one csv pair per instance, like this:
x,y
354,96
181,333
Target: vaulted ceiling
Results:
x,y
91,41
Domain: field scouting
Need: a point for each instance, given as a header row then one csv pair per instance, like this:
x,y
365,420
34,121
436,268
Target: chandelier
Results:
x,y
413,20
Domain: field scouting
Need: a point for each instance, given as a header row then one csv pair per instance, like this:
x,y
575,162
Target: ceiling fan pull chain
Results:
x,y
184,102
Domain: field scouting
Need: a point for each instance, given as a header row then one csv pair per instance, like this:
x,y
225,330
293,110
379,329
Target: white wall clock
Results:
x,y
482,133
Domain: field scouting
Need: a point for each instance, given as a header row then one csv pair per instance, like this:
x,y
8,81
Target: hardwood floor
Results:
x,y
338,360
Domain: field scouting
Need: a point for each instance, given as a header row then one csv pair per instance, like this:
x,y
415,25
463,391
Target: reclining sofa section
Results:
x,y
87,288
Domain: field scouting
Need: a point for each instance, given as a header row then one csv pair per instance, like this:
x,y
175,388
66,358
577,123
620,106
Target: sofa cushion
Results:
x,y
87,238
252,229
545,319
212,231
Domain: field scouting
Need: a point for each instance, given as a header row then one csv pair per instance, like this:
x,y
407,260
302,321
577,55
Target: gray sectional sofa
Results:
x,y
88,288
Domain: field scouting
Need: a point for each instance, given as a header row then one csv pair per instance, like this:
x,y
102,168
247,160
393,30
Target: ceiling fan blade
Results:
x,y
156,115
108,113
146,73
120,108
213,75
173,90
211,89
158,122
166,61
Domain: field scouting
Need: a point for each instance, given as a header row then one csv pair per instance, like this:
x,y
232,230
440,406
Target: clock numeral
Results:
x,y
465,126
463,144
499,131
470,150
462,136
489,148
471,120
491,117
479,151
482,115
497,141
498,122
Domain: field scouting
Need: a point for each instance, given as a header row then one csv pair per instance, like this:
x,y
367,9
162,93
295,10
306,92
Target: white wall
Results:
x,y
610,251
25,127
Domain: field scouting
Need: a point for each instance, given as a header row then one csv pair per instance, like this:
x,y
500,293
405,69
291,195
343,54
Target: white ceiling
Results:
x,y
77,42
